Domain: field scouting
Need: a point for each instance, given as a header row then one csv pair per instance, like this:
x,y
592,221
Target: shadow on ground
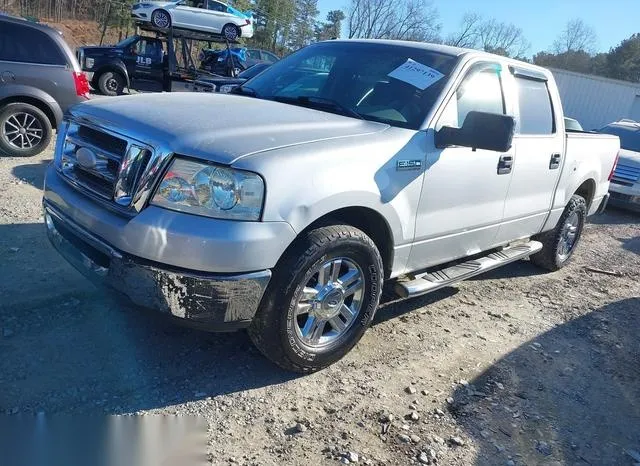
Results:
x,y
570,396
615,216
32,173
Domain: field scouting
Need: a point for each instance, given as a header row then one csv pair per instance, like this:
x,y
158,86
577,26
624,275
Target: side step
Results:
x,y
431,281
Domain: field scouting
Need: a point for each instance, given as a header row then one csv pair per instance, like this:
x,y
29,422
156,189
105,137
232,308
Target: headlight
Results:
x,y
89,62
211,190
227,88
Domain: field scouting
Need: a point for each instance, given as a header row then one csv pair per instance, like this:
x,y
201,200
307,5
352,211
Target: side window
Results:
x,y
481,90
536,113
215,6
269,57
28,45
253,54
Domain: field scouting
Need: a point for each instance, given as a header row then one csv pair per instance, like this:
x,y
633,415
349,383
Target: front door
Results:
x,y
148,56
538,161
463,196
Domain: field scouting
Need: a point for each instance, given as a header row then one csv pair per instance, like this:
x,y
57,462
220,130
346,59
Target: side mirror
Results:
x,y
480,130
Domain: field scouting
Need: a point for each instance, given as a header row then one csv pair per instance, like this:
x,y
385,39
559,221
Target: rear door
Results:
x,y
464,190
30,57
539,152
216,16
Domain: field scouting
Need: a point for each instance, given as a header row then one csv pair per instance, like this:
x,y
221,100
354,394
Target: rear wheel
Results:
x,y
230,31
111,83
321,299
161,19
24,130
559,244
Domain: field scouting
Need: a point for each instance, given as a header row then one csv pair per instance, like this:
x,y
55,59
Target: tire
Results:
x,y
279,334
25,130
161,19
111,83
555,254
230,32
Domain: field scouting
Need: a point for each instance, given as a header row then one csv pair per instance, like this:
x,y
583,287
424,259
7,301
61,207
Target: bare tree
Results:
x,y
467,35
576,37
392,19
489,35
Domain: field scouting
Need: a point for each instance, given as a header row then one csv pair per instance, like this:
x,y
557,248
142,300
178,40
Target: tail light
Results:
x,y
615,164
82,84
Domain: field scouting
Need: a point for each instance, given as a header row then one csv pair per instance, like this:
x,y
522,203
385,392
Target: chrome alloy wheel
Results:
x,y
330,302
568,236
161,19
22,130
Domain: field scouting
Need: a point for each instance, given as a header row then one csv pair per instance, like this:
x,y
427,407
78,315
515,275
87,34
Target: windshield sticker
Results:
x,y
416,74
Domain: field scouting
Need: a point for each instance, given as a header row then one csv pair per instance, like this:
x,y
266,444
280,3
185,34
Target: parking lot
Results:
x,y
515,367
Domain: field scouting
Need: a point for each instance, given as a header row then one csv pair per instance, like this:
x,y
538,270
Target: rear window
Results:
x,y
536,114
629,137
28,45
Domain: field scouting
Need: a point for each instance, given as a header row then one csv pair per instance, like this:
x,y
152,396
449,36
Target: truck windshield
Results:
x,y
126,42
629,137
393,84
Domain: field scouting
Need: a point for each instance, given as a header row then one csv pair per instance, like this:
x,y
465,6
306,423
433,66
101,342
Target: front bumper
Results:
x,y
212,302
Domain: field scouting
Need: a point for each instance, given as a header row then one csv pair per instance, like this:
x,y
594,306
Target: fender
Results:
x,y
14,92
113,65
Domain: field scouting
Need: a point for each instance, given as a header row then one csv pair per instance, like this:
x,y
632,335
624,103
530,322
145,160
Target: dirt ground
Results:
x,y
516,367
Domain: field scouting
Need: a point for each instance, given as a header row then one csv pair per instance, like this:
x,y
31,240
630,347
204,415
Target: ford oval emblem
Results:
x,y
86,158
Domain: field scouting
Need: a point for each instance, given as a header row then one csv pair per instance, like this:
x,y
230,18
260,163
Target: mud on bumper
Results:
x,y
209,301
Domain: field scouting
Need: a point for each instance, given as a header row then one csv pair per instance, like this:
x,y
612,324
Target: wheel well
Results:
x,y
23,99
587,190
370,222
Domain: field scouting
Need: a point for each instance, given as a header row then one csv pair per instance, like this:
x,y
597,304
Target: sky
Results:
x,y
541,20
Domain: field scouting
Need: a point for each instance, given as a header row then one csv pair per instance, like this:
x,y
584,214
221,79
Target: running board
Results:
x,y
432,281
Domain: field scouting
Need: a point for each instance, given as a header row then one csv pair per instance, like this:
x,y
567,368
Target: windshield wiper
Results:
x,y
241,90
319,103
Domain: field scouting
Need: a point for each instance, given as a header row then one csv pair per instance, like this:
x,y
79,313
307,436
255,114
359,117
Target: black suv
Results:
x,y
113,68
39,79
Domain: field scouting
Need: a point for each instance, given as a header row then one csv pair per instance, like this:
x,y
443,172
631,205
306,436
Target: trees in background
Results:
x,y
332,27
489,35
393,19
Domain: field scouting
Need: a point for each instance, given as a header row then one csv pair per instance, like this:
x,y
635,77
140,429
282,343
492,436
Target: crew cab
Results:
x,y
113,68
344,167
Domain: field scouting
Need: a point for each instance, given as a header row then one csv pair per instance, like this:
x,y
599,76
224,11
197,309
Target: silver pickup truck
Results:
x,y
348,165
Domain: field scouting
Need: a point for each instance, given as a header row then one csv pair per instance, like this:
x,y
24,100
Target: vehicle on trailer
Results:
x,y
40,79
343,167
224,62
625,184
197,15
225,84
113,68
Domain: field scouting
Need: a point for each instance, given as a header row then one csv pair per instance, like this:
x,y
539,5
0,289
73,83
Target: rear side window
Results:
x,y
536,113
28,45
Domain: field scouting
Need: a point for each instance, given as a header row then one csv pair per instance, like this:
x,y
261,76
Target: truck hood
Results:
x,y
217,127
99,51
629,157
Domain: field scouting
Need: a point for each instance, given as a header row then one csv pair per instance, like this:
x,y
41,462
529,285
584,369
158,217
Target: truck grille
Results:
x,y
104,164
626,175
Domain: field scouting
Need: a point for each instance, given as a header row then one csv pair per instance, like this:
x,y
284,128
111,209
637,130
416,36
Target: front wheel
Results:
x,y
321,299
111,83
559,244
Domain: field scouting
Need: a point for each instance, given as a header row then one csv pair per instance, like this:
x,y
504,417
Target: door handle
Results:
x,y
505,163
554,163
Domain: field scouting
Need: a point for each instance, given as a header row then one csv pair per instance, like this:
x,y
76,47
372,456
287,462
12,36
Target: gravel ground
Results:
x,y
515,367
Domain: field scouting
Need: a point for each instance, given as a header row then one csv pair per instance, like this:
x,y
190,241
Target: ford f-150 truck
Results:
x,y
343,167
